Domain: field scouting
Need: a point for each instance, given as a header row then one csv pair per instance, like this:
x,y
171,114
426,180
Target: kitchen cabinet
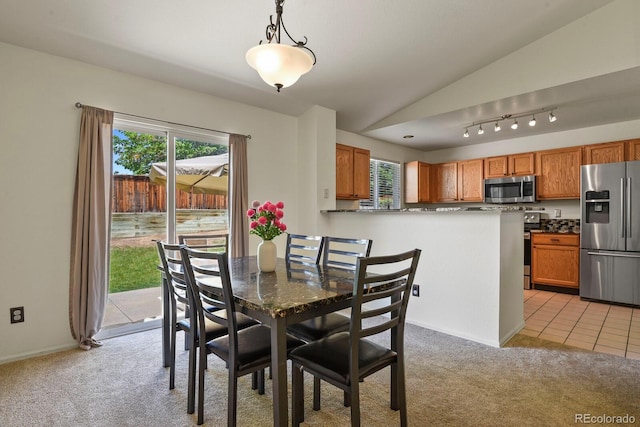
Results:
x,y
555,259
609,152
352,172
417,182
633,149
446,182
470,180
459,181
558,173
511,165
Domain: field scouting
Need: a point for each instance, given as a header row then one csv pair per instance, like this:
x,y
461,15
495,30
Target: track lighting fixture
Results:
x,y
496,120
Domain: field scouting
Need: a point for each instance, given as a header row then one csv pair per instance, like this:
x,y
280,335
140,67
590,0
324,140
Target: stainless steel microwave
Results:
x,y
512,189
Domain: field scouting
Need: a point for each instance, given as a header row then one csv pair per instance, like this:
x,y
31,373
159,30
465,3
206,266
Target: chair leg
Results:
x,y
201,367
172,357
232,399
297,394
254,380
260,381
354,403
191,387
316,393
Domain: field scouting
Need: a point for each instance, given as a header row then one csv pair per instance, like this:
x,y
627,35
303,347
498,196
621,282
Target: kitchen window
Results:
x,y
384,185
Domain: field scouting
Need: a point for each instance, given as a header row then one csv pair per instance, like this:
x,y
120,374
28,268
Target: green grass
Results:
x,y
133,268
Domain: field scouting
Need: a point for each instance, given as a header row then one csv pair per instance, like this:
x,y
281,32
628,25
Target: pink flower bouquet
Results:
x,y
266,219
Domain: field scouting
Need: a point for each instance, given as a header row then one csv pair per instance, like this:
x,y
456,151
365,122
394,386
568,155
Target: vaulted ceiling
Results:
x,y
388,68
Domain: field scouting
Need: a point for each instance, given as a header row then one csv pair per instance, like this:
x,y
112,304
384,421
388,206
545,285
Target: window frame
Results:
x,y
374,202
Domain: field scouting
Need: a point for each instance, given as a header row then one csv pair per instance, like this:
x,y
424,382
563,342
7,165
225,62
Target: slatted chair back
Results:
x,y
215,242
171,262
392,280
343,252
303,248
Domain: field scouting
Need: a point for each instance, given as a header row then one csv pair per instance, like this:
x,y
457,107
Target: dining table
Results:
x,y
292,293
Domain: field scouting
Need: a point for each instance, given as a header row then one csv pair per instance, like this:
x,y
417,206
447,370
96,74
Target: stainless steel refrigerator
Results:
x,y
610,232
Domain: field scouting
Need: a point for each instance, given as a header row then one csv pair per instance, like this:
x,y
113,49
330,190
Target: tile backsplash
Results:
x,y
560,225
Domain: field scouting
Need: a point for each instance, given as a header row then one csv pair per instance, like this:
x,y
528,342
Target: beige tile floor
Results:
x,y
593,326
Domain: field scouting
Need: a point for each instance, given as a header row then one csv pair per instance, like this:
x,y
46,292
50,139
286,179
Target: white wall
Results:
x,y
39,125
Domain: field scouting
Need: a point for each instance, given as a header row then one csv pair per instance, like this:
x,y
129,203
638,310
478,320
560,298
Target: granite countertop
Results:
x,y
441,209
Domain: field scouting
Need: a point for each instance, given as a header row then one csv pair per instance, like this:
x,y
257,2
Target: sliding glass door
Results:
x,y
167,181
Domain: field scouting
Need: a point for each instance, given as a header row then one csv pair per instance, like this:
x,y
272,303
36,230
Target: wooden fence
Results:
x,y
135,193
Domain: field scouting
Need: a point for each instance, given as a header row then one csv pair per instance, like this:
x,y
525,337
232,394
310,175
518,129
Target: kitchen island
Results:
x,y
470,274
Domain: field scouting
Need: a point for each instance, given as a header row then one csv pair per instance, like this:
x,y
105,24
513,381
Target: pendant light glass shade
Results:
x,y
279,65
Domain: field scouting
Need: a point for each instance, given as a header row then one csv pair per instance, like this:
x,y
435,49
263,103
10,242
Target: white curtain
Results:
x,y
90,232
238,195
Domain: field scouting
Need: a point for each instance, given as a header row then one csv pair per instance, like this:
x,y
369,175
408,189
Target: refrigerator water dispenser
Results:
x,y
597,207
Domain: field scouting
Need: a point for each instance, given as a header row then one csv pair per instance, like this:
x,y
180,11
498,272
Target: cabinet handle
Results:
x,y
555,240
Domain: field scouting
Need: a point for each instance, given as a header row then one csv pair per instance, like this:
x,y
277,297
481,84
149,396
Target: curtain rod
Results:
x,y
80,105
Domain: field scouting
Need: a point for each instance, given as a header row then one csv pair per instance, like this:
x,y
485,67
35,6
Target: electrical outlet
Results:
x,y
17,314
557,213
415,290
326,193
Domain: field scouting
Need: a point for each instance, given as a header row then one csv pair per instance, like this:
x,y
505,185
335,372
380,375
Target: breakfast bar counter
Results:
x,y
470,272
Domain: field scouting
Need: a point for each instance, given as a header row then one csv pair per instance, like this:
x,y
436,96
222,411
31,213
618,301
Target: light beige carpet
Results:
x,y
451,382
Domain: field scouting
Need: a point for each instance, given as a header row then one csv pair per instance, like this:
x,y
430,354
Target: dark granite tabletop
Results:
x,y
292,288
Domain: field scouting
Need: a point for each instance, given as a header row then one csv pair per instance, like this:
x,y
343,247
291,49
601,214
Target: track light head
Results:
x,y
497,127
532,122
466,133
514,125
480,130
552,117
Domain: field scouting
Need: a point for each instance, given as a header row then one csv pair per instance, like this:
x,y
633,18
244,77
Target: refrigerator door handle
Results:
x,y
615,254
623,224
628,202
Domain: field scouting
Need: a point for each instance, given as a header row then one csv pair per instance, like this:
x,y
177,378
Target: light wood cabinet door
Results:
x,y
417,182
514,164
447,182
361,173
496,167
352,172
470,180
558,173
633,150
555,260
610,152
522,164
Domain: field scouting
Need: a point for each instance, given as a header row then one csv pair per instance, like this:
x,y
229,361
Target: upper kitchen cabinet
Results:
x,y
459,181
352,172
470,180
512,165
417,182
610,152
558,173
446,182
633,149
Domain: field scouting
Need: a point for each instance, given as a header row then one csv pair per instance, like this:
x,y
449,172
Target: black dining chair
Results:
x,y
244,351
176,291
303,248
345,358
338,252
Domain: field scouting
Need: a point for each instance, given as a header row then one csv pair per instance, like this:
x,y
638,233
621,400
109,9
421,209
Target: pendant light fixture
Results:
x,y
280,65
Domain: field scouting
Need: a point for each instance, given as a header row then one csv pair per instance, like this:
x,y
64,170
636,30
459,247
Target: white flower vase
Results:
x,y
267,254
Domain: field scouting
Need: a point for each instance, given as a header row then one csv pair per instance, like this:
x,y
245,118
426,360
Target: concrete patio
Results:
x,y
133,307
